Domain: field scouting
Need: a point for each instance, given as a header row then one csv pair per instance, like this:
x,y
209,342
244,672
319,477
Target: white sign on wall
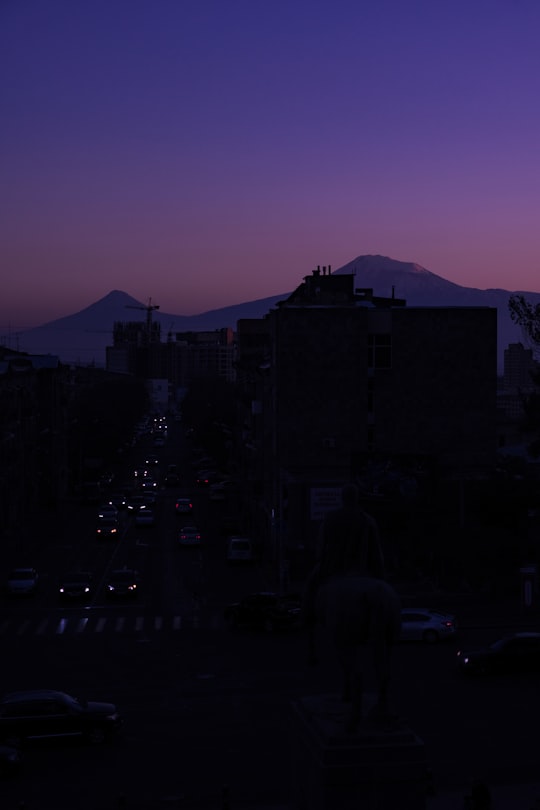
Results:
x,y
323,500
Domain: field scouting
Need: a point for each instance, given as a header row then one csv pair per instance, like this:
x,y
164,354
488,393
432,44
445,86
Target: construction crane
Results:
x,y
149,308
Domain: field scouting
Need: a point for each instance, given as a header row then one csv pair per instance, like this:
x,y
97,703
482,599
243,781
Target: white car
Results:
x,y
240,549
22,582
425,624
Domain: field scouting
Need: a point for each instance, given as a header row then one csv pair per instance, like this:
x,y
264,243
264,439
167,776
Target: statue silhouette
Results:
x,y
346,593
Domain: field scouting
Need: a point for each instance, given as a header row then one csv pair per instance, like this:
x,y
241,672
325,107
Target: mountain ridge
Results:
x,y
82,336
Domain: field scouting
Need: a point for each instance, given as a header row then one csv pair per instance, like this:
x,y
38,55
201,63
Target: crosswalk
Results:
x,y
137,625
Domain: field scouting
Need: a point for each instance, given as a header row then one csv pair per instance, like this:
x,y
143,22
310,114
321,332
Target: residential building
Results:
x,y
352,382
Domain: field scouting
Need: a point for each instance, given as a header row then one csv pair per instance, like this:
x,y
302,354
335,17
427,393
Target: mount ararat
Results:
x,y
81,338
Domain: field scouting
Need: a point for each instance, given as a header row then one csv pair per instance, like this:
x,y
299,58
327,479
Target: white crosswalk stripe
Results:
x,y
90,625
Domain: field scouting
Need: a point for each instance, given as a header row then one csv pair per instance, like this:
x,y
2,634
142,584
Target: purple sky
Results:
x,y
204,153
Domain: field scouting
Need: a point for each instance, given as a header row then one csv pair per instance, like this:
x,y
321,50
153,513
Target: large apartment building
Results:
x,y
343,381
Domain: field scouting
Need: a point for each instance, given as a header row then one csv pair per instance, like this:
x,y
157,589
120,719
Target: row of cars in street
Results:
x,y
511,654
75,585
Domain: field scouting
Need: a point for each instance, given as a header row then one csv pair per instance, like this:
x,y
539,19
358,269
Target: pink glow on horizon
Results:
x,y
208,156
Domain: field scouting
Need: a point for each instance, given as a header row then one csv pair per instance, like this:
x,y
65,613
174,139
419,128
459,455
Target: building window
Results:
x,y
380,351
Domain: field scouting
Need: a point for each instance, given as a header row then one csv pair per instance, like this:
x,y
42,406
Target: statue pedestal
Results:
x,y
381,765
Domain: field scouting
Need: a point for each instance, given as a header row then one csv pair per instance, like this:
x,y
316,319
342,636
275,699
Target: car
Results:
x,y
119,500
136,501
511,654
183,506
107,528
189,536
145,516
107,510
149,498
22,582
265,610
10,760
240,550
123,582
217,492
427,625
205,477
75,585
151,461
40,713
149,484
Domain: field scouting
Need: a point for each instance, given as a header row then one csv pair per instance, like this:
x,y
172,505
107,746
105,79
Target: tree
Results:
x,y
527,316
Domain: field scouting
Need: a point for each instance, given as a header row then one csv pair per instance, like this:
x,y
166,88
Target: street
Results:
x,y
207,708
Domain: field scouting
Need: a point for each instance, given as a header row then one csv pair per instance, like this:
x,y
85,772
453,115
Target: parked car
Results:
x,y
240,550
171,479
123,582
75,585
39,713
265,611
107,528
427,625
189,536
22,582
183,506
512,654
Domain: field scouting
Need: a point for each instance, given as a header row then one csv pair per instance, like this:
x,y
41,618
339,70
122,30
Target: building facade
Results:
x,y
353,382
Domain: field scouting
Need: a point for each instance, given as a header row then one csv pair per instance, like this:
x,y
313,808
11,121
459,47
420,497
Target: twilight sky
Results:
x,y
204,153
